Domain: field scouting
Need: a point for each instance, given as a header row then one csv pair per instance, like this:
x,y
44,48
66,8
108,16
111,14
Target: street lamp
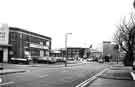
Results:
x,y
66,38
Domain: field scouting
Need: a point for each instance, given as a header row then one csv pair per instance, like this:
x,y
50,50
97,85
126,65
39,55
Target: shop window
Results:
x,y
13,35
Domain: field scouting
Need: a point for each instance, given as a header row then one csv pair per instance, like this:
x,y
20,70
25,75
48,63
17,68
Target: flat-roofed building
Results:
x,y
17,42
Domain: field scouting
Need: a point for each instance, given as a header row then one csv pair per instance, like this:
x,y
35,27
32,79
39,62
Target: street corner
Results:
x,y
11,71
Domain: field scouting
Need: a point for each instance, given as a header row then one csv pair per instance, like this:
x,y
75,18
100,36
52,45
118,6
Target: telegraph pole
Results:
x,y
66,37
134,4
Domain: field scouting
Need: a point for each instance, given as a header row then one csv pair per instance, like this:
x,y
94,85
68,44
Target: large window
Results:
x,y
13,36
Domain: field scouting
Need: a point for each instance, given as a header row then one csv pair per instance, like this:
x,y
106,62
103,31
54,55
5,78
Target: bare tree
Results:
x,y
125,37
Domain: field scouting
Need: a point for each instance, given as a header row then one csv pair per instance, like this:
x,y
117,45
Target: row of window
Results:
x,y
15,35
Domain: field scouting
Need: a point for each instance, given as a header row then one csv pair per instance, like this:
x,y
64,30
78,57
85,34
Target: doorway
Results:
x,y
1,56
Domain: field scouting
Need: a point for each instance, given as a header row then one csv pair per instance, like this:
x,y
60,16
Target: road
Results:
x,y
53,77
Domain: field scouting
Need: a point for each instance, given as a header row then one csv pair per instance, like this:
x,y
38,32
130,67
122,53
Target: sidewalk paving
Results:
x,y
101,82
115,76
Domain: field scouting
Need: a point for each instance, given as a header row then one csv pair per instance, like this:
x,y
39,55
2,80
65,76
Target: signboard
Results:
x,y
4,34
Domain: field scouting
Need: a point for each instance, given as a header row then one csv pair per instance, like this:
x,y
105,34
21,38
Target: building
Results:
x,y
75,52
19,43
111,49
95,53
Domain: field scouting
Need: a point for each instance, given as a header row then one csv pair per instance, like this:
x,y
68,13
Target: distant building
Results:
x,y
112,50
73,52
16,42
95,53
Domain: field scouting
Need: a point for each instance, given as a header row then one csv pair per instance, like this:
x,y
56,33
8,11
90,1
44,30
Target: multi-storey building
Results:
x,y
21,42
75,52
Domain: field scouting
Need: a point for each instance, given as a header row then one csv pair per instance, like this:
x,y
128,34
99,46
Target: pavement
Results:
x,y
115,76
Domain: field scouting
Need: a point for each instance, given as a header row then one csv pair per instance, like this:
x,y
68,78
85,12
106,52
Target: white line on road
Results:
x,y
42,76
133,75
0,80
91,79
8,83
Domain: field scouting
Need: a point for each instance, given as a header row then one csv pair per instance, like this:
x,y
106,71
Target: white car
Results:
x,y
90,60
26,60
52,59
100,60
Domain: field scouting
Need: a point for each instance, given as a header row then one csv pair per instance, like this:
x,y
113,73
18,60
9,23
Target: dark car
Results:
x,y
45,59
41,59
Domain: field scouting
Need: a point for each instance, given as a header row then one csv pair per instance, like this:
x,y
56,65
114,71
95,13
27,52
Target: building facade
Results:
x,y
95,53
75,52
22,42
110,50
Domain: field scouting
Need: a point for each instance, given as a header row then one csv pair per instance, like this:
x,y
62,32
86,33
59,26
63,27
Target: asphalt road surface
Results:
x,y
53,77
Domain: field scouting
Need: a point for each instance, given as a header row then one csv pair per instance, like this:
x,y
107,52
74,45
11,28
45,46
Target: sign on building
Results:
x,y
4,34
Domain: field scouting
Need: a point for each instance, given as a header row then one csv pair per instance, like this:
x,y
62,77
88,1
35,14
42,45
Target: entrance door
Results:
x,y
1,56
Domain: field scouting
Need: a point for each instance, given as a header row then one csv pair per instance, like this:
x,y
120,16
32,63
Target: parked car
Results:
x,y
90,60
45,59
60,59
101,61
52,60
41,59
25,60
70,58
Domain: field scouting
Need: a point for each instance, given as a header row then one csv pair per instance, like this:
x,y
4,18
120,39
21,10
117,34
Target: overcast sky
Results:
x,y
89,21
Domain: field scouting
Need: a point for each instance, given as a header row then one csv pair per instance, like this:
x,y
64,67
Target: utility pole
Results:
x,y
66,38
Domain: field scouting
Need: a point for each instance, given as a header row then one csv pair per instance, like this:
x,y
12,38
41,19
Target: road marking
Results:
x,y
43,76
0,80
133,75
8,83
91,79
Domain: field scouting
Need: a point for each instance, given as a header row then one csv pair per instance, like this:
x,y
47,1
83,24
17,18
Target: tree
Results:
x,y
125,37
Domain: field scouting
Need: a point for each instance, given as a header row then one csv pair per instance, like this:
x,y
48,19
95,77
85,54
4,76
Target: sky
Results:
x,y
89,21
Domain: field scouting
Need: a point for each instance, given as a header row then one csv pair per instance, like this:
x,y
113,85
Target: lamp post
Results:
x,y
134,4
66,38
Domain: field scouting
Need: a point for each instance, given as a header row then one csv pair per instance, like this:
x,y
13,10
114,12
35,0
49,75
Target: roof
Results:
x,y
22,30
